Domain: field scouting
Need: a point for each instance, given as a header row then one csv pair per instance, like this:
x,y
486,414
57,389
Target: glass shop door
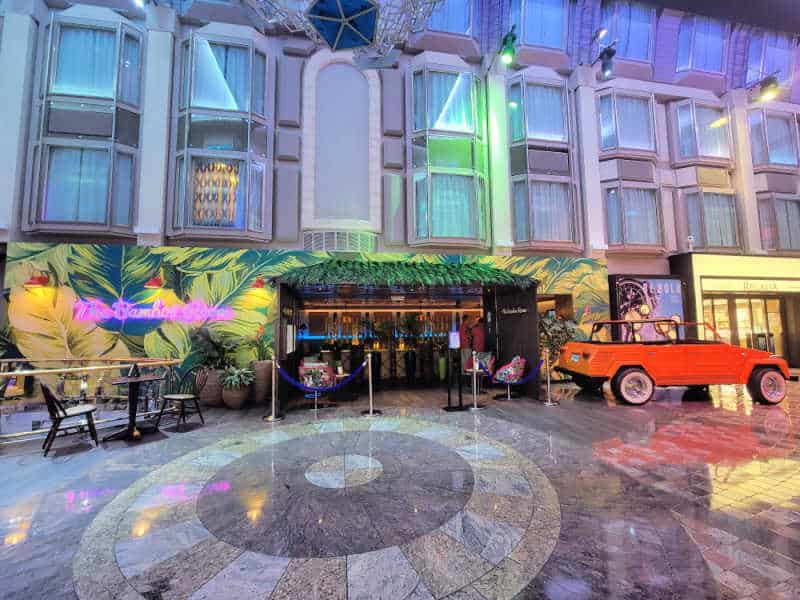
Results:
x,y
748,321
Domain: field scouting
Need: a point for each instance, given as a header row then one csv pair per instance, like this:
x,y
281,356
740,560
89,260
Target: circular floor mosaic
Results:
x,y
351,508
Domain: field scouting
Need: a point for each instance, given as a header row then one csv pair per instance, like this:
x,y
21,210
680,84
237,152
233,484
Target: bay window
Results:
x,y
543,211
769,53
711,219
779,219
222,161
701,44
452,16
537,111
448,156
541,22
702,131
85,149
633,217
773,138
630,23
626,122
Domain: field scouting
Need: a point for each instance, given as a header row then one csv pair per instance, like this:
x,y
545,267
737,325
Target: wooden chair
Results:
x,y
59,414
184,391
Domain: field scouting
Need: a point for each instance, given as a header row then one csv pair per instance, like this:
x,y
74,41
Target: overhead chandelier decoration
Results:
x,y
372,28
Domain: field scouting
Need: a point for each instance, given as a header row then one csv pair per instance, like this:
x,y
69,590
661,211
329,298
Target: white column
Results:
x,y
586,150
17,66
499,188
743,176
154,159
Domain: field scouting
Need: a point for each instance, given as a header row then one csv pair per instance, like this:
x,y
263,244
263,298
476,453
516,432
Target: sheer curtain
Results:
x,y
259,87
685,43
781,140
614,216
778,55
755,50
708,44
712,132
552,216
221,76
608,130
694,219
452,16
686,140
77,185
544,23
122,190
641,216
86,62
758,138
719,216
129,70
521,212
767,225
419,101
256,204
421,206
515,121
634,123
450,102
789,224
452,206
545,109
633,30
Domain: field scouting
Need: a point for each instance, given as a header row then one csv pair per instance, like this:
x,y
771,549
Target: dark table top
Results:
x,y
140,379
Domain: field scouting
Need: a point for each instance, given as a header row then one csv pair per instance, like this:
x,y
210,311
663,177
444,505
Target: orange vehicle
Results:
x,y
616,353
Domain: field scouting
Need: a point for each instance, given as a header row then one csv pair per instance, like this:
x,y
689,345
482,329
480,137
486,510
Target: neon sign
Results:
x,y
95,310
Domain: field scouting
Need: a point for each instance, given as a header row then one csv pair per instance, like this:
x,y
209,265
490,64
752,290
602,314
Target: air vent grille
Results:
x,y
339,241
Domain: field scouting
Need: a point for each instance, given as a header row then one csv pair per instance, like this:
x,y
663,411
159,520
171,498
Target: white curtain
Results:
x,y
633,21
641,216
421,206
755,51
521,212
256,205
452,206
781,140
552,214
685,43
419,101
788,220
686,139
122,196
515,120
259,88
86,62
767,224
712,132
608,130
694,219
545,109
778,55
129,70
452,16
221,76
450,102
544,23
77,185
614,216
719,216
634,123
758,140
709,40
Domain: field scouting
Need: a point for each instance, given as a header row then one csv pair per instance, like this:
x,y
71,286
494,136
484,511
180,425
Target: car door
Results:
x,y
713,362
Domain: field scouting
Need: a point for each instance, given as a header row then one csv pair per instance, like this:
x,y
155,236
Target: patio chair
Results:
x,y
185,393
59,414
508,374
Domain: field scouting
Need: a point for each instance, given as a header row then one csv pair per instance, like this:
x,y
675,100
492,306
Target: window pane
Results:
x,y
708,44
755,50
186,61
218,133
218,192
781,140
221,76
419,102
129,71
77,186
685,43
256,205
778,55
686,140
452,16
767,225
788,221
694,219
515,120
608,132
127,128
450,102
544,23
719,217
180,193
633,30
641,216
545,112
521,212
552,213
452,206
450,152
758,143
421,206
635,128
712,133
515,15
259,87
614,216
86,62
122,197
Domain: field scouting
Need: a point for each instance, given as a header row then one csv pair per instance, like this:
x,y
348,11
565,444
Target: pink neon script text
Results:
x,y
195,311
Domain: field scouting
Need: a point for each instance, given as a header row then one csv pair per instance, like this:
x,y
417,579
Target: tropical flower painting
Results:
x,y
117,301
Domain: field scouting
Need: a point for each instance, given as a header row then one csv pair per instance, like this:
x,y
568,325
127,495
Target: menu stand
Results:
x,y
133,380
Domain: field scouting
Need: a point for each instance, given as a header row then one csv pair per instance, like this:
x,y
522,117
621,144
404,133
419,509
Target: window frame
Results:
x,y
612,29
564,33
701,191
726,30
770,200
178,225
478,138
624,245
763,33
765,114
574,218
619,149
471,19
698,157
524,82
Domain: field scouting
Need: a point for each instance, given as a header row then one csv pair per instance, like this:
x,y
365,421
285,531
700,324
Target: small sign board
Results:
x,y
455,340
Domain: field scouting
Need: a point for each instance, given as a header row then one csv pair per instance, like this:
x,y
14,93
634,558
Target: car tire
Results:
x,y
767,385
633,386
587,384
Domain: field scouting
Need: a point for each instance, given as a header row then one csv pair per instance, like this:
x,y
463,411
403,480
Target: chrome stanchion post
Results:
x,y
371,412
549,401
475,406
274,416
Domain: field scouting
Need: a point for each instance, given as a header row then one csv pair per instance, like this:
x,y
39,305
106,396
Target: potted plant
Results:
x,y
215,355
262,365
553,334
236,386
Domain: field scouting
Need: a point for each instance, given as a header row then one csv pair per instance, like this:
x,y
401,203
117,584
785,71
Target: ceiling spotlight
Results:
x,y
139,3
508,47
606,59
769,88
599,34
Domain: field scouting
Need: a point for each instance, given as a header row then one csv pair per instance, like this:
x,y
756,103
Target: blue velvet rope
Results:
x,y
324,390
526,379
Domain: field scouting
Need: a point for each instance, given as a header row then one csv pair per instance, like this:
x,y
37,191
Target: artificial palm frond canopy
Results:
x,y
377,273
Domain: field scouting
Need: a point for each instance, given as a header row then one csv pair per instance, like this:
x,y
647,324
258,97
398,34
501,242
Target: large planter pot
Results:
x,y
262,385
211,394
235,398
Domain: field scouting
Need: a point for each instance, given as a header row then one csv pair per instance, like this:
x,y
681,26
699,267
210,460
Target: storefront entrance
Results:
x,y
748,321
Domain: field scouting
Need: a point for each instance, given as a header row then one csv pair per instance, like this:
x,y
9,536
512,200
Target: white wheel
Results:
x,y
633,386
767,386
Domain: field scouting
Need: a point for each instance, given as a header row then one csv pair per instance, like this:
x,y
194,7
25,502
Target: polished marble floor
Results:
x,y
683,498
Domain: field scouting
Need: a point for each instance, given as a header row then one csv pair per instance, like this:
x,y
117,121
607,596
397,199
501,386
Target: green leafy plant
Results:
x,y
554,333
411,327
234,378
213,351
261,344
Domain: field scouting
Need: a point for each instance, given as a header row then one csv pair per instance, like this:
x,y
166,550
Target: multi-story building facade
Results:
x,y
190,123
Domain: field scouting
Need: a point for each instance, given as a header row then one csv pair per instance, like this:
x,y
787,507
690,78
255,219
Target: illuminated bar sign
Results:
x,y
194,312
